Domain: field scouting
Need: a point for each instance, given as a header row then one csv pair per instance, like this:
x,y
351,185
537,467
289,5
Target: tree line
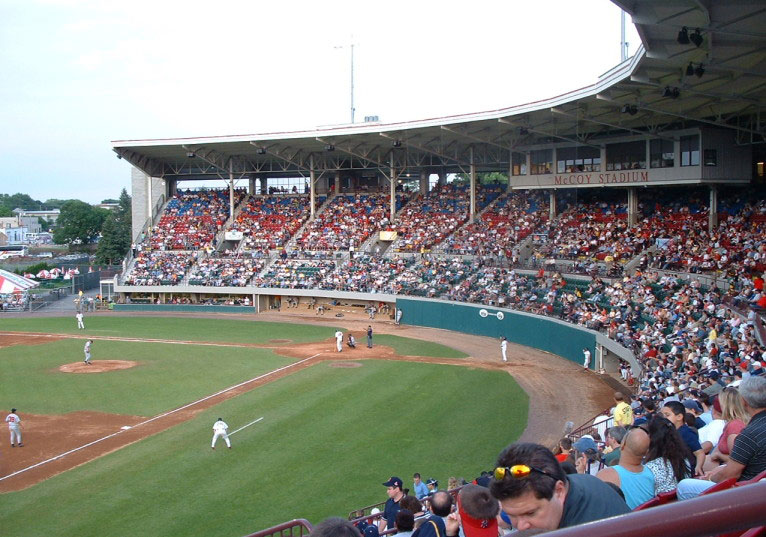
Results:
x,y
81,224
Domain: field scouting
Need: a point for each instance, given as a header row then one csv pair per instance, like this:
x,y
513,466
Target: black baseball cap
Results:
x,y
393,482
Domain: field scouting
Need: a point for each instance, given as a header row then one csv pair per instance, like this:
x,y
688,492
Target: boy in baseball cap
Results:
x,y
478,512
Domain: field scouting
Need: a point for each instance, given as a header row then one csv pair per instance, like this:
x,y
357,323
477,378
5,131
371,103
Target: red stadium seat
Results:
x,y
660,499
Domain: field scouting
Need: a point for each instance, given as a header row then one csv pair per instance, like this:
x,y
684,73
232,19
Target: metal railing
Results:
x,y
728,512
295,528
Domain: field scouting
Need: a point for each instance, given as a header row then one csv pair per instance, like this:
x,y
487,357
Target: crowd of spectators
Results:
x,y
501,227
192,219
429,219
226,269
296,273
270,222
348,221
159,268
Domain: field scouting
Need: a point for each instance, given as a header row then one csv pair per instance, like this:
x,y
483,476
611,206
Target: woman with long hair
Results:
x,y
736,418
668,457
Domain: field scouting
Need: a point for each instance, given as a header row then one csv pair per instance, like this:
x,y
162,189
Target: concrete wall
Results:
x,y
144,198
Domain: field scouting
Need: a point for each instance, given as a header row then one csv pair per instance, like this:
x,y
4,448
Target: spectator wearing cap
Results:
x,y
395,495
433,485
634,479
675,412
534,491
477,513
614,439
586,453
748,455
420,488
695,410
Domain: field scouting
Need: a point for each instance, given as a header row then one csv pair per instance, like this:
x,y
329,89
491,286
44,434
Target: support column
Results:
x,y
251,186
312,190
264,185
600,359
442,178
424,183
392,189
632,206
553,208
231,191
510,169
473,188
337,182
713,213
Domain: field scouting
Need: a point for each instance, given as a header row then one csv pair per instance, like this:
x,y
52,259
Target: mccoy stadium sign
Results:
x,y
601,178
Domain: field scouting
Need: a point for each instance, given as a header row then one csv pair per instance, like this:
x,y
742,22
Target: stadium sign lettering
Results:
x,y
601,178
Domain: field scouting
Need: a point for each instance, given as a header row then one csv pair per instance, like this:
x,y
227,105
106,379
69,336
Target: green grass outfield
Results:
x,y
329,438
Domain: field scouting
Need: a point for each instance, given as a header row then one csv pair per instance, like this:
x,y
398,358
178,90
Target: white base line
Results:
x,y
159,416
248,425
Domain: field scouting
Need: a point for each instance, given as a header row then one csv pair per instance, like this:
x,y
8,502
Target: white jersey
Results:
x,y
79,317
339,336
220,427
87,347
13,421
504,346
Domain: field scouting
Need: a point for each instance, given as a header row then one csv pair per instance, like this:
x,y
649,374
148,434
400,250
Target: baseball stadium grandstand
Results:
x,y
627,217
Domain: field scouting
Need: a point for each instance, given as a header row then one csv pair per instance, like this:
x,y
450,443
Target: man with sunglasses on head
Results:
x,y
535,492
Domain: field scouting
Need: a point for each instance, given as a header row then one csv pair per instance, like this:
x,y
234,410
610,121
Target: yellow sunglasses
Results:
x,y
518,471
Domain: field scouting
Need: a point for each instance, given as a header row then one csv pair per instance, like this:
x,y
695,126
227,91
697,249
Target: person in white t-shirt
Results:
x,y
504,348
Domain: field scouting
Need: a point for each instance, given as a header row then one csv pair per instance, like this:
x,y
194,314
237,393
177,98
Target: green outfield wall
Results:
x,y
551,335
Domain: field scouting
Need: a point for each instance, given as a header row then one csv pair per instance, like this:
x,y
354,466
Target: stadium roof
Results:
x,y
715,75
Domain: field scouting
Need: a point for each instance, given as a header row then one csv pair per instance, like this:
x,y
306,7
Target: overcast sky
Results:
x,y
77,74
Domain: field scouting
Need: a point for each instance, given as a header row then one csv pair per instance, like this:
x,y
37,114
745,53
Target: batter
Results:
x,y
220,429
504,348
339,340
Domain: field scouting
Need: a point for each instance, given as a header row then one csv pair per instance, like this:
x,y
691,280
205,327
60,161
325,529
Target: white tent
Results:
x,y
13,283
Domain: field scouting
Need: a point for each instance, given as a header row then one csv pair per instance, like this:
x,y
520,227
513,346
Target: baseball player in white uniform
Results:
x,y
80,324
339,340
504,348
87,351
14,426
586,358
220,429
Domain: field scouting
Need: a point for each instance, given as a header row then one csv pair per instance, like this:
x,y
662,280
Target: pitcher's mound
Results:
x,y
97,366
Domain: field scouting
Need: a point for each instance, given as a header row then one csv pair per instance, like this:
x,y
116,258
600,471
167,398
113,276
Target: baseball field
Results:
x,y
122,447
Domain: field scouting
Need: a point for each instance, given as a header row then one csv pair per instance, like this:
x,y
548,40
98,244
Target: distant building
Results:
x,y
49,216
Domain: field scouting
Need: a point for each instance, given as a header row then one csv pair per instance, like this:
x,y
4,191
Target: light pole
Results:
x,y
351,46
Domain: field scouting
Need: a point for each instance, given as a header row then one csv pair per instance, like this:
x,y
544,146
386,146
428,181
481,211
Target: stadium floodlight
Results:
x,y
190,154
329,147
696,38
699,71
673,93
260,151
689,69
683,36
396,143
